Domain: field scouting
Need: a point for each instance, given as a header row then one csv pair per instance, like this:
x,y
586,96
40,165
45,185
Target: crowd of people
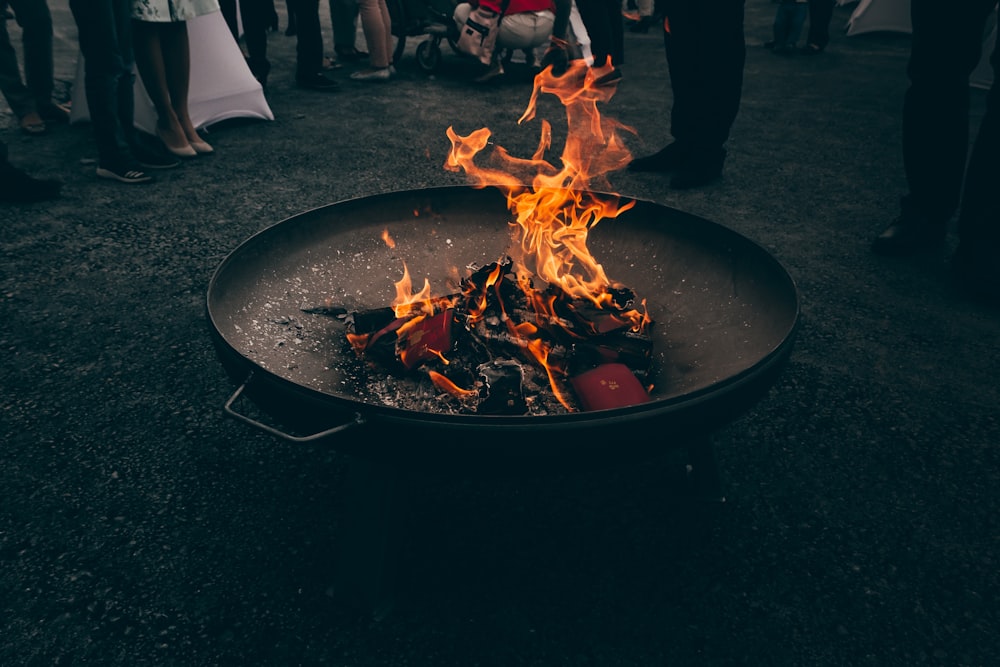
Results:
x,y
705,52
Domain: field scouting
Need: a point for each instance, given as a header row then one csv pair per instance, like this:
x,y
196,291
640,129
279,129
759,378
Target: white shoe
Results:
x,y
371,75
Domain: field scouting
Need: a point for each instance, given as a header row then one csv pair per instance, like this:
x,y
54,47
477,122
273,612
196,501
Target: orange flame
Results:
x,y
556,211
446,385
553,208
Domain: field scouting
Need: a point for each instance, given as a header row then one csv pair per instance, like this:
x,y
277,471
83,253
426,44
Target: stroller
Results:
x,y
413,18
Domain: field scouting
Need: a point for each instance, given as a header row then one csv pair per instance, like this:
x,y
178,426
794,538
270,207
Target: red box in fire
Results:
x,y
427,339
609,386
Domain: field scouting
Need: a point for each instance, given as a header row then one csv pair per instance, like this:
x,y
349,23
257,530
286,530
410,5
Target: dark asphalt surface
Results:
x,y
140,526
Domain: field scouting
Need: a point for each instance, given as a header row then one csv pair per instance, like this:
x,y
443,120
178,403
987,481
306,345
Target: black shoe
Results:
x,y
349,54
152,157
318,81
976,272
908,235
667,159
811,50
17,187
124,173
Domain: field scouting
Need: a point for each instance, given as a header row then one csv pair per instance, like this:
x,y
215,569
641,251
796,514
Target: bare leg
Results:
x,y
177,67
150,61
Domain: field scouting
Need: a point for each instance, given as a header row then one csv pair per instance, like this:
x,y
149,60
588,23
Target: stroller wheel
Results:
x,y
429,54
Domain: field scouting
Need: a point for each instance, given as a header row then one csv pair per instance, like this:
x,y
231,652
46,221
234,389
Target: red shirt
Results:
x,y
518,6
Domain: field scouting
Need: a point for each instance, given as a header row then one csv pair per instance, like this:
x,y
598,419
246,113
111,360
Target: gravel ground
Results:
x,y
139,525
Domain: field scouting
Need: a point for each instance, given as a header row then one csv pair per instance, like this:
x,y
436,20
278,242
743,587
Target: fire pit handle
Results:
x,y
228,408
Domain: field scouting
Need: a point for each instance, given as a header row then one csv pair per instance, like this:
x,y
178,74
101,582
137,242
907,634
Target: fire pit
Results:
x,y
724,309
726,313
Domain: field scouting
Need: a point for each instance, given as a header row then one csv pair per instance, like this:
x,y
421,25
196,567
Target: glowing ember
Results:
x,y
575,324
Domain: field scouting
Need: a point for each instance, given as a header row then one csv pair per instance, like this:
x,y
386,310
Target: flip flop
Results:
x,y
32,124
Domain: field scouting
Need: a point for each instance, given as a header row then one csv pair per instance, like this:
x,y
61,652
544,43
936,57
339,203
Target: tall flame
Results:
x,y
557,208
553,208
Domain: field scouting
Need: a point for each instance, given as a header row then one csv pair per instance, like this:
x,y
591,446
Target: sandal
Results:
x,y
32,123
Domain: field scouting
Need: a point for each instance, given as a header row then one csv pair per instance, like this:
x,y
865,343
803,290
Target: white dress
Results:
x,y
164,11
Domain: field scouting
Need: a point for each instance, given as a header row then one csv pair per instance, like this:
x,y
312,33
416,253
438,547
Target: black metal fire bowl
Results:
x,y
726,313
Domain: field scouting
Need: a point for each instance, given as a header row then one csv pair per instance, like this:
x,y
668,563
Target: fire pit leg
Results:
x,y
366,566
702,471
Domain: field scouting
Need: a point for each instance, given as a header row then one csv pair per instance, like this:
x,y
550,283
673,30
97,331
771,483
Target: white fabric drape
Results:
x,y
222,86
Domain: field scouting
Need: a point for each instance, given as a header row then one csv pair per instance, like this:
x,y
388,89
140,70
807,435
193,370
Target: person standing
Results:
x,y
31,98
163,59
309,72
706,52
344,22
377,26
104,30
606,28
941,176
820,15
787,27
256,17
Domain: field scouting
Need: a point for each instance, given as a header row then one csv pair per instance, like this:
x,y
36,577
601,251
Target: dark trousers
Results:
x,y
706,51
820,15
309,38
788,22
946,47
606,29
104,30
35,92
256,17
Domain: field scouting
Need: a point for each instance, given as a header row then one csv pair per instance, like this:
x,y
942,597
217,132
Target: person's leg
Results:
x,y
375,24
309,38
256,16
979,213
36,25
12,86
150,58
706,52
292,28
796,21
104,29
232,17
104,50
779,29
820,15
945,48
344,22
526,30
309,47
594,16
176,51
